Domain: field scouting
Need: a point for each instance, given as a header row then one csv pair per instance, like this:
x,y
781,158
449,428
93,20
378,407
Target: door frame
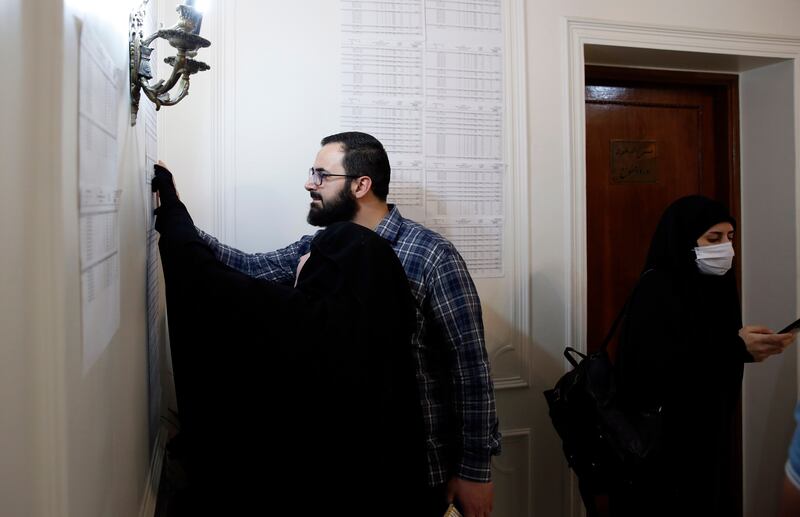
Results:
x,y
724,87
580,32
726,91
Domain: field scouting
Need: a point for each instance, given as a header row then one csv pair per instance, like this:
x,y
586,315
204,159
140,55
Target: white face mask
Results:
x,y
714,260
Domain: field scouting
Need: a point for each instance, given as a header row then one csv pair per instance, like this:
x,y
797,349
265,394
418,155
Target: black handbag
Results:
x,y
605,444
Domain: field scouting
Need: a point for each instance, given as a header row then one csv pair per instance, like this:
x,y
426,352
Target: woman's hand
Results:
x,y
761,342
163,185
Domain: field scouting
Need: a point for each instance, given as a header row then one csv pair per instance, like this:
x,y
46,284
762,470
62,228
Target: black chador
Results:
x,y
302,398
680,350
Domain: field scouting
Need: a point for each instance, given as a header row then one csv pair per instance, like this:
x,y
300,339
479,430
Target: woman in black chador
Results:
x,y
293,400
683,349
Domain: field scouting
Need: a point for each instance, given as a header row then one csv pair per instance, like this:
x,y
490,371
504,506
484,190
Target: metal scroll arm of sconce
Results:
x,y
184,36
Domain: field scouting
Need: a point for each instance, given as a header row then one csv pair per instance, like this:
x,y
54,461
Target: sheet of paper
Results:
x,y
425,77
155,308
99,196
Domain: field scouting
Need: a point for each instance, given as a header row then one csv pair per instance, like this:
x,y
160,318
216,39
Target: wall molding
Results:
x,y
223,121
513,381
579,32
516,192
516,439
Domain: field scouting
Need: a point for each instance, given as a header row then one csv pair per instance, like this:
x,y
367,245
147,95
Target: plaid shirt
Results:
x,y
452,366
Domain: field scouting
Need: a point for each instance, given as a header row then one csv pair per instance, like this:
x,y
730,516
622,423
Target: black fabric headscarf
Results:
x,y
300,398
704,297
682,223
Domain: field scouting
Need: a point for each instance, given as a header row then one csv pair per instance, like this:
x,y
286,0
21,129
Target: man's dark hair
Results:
x,y
364,155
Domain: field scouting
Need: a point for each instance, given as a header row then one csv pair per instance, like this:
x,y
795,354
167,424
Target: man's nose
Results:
x,y
310,185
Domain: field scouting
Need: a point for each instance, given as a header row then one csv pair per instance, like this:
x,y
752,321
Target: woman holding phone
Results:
x,y
682,351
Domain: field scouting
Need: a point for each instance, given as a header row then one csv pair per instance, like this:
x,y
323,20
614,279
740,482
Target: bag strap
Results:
x,y
621,315
568,352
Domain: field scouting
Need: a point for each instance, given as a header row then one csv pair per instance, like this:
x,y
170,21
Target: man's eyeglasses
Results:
x,y
318,175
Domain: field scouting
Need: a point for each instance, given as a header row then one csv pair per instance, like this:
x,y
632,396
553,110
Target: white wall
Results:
x,y
266,103
71,444
769,273
29,116
107,436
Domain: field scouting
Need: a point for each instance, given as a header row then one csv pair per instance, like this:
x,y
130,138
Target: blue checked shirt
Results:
x,y
452,366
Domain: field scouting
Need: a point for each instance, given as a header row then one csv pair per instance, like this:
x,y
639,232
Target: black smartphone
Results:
x,y
791,327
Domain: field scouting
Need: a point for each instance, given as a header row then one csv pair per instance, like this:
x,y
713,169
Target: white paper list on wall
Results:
x,y
155,309
99,196
425,77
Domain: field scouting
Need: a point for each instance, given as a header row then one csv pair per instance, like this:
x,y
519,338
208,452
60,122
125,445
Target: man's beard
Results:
x,y
343,207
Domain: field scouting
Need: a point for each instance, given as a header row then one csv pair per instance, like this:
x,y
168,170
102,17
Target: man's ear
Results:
x,y
361,186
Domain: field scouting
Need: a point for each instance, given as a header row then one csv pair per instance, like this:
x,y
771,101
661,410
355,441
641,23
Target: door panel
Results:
x,y
647,144
651,137
666,142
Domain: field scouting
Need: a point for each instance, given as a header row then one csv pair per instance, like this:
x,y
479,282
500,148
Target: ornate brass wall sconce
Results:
x,y
184,36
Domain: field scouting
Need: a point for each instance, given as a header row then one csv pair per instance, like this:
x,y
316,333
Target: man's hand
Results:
x,y
761,342
475,498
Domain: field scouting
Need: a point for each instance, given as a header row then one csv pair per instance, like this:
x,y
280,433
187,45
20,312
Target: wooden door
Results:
x,y
651,137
